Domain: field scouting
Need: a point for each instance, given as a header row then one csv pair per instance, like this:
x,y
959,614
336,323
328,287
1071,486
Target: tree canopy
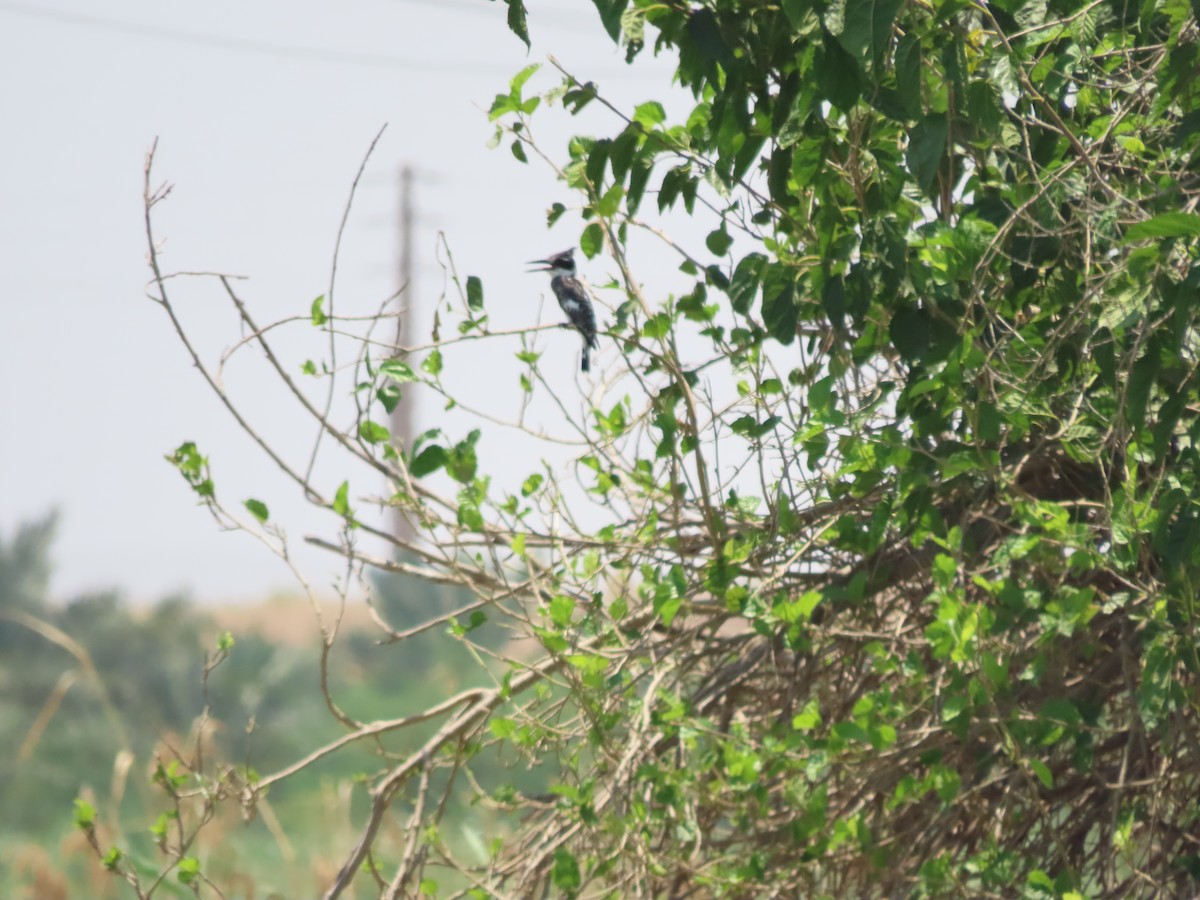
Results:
x,y
893,591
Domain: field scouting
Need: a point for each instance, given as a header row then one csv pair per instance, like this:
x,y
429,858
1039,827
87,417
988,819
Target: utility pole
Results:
x,y
402,417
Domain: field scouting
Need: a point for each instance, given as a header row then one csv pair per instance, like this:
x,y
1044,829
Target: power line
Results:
x,y
261,47
289,52
555,18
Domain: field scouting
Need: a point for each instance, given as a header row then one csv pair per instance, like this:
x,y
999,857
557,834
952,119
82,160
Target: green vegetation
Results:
x,y
871,569
95,697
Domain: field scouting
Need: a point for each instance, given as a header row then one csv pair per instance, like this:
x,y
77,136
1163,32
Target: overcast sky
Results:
x,y
263,110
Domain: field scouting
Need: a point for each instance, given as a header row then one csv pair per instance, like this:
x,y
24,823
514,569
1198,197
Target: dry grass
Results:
x,y
288,619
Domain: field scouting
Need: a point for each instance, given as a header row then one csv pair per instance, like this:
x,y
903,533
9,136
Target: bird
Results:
x,y
572,295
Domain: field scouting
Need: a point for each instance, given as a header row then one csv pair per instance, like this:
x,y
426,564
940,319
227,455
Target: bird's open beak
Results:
x,y
543,263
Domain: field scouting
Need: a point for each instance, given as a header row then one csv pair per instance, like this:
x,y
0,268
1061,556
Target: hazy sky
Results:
x,y
263,110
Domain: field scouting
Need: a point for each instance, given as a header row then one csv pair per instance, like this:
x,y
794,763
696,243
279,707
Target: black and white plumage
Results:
x,y
572,295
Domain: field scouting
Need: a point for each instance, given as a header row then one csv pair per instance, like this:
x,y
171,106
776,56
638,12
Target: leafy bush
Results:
x,y
893,586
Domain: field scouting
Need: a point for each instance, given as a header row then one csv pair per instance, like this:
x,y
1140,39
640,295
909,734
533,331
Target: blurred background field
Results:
x,y
94,694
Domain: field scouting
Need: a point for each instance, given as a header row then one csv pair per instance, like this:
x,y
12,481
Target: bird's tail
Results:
x,y
589,343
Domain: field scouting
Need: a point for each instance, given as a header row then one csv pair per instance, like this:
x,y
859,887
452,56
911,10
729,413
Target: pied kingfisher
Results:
x,y
573,297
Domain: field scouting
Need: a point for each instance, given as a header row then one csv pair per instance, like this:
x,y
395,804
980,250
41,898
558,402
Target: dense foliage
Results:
x,y
967,653
894,588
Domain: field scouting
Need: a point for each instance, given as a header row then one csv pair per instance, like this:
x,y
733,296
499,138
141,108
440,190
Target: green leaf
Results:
x,y
657,326
788,520
518,80
591,242
588,663
953,707
719,241
746,279
706,35
908,73
500,105
461,461
194,468
649,114
502,728
578,96
317,312
373,432
1165,225
428,461
608,204
639,178
833,300
622,151
341,499
750,427
797,12
397,371
926,147
910,332
389,396
562,609
821,396
838,76
474,293
85,813
188,870
807,604
1039,879
780,310
990,420
160,826
1141,380
779,171
674,181
469,516
633,27
666,603
565,873
171,778
867,28
850,731
258,509
808,718
432,364
518,26
610,15
1030,14
596,161
1043,773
